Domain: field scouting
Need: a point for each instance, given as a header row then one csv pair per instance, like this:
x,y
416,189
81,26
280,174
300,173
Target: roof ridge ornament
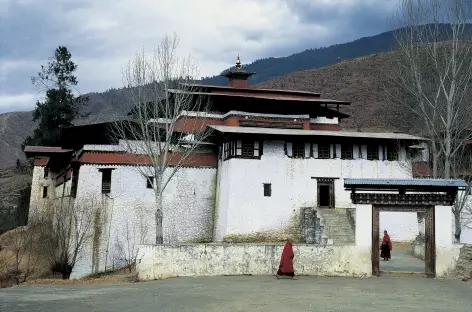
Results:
x,y
238,63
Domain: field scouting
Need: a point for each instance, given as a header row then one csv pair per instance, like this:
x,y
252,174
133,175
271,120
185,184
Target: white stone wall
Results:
x,y
242,208
37,202
160,262
130,208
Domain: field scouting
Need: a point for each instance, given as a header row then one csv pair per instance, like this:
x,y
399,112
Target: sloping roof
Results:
x,y
405,182
275,96
297,132
253,90
46,150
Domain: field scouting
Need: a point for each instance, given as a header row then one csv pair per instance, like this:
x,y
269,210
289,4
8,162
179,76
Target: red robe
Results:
x,y
386,241
286,260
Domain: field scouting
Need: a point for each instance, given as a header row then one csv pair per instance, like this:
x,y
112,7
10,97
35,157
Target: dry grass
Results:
x,y
120,276
22,244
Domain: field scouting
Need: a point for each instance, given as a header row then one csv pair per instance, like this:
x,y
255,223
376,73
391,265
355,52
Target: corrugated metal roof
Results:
x,y
406,182
276,131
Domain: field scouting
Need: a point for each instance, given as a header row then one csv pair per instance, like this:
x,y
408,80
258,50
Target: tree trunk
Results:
x,y
434,152
159,231
457,227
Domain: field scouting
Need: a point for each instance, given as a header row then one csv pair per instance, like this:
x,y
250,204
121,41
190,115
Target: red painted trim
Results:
x,y
41,161
325,127
196,160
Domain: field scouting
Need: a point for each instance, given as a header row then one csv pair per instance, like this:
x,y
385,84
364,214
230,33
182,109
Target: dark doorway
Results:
x,y
325,193
324,196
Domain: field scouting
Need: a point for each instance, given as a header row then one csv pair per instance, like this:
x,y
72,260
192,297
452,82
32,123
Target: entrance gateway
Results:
x,y
410,195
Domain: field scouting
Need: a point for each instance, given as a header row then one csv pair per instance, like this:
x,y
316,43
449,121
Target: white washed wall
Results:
x,y
160,262
37,202
247,210
188,211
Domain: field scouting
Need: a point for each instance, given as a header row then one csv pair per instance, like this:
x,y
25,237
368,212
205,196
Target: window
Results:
x,y
149,182
346,151
247,149
242,149
298,150
45,191
267,189
46,173
323,151
75,181
392,153
372,152
106,180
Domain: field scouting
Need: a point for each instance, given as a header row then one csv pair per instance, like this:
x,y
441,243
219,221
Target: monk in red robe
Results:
x,y
386,247
286,261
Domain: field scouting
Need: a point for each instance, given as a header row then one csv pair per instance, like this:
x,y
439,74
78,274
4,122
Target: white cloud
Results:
x,y
17,102
103,35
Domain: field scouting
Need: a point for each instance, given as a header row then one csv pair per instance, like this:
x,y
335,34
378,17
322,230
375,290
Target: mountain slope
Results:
x,y
360,81
14,128
270,68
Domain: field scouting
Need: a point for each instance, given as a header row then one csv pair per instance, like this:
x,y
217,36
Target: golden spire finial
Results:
x,y
238,62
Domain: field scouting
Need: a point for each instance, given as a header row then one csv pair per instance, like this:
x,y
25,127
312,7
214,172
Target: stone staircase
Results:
x,y
337,226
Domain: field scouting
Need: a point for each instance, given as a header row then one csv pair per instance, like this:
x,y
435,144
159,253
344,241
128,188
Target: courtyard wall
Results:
x,y
160,262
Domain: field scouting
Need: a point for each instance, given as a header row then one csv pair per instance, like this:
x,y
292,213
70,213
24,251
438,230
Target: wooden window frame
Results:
x,y
392,153
106,180
347,149
373,152
46,173
245,149
267,189
321,149
298,150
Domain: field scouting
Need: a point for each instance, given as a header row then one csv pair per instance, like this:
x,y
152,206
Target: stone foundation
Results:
x,y
463,268
164,261
418,250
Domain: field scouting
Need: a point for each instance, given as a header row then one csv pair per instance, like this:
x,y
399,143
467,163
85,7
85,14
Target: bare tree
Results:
x,y
134,234
162,134
433,68
18,257
65,227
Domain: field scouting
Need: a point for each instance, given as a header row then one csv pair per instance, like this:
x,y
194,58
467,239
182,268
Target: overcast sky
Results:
x,y
103,35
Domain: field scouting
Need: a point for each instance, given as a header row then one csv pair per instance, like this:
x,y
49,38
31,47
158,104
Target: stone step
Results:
x,y
337,226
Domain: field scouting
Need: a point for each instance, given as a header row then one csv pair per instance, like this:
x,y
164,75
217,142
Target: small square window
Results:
x,y
267,189
149,182
45,191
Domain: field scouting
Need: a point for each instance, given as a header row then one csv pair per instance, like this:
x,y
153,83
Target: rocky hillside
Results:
x,y
14,128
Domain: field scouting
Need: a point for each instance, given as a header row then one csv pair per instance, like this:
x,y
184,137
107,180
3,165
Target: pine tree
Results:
x,y
61,106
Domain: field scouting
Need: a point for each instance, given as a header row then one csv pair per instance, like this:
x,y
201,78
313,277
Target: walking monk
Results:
x,y
286,261
386,247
